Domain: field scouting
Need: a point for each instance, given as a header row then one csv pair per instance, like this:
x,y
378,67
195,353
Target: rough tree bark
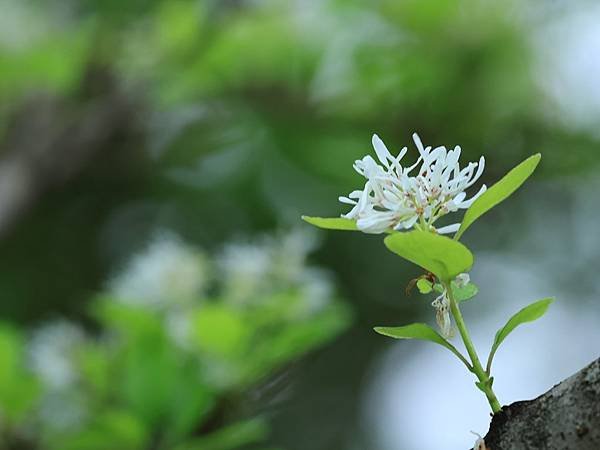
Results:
x,y
567,417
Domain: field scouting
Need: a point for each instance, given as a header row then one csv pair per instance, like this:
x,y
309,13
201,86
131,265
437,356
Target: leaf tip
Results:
x,y
549,301
384,331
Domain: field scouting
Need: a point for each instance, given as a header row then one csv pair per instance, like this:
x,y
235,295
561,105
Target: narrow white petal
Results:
x,y
410,222
459,198
375,222
347,201
419,144
448,228
480,168
467,204
383,153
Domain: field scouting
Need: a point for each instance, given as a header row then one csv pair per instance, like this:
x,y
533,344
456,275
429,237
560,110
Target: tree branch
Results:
x,y
565,417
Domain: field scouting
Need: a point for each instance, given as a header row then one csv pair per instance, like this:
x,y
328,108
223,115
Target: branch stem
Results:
x,y
485,381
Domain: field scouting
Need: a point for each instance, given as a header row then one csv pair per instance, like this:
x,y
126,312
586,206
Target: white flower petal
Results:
x,y
448,228
467,203
383,153
347,201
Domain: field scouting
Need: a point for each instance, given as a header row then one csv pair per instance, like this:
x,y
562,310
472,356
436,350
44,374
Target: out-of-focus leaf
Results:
x,y
154,375
230,437
291,339
113,429
18,389
94,362
221,331
126,319
498,192
442,256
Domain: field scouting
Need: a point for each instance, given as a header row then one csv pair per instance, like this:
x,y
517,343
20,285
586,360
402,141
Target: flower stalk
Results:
x,y
485,381
405,202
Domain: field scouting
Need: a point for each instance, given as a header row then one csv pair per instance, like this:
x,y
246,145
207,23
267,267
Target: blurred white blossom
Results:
x,y
244,268
52,351
168,271
253,271
52,354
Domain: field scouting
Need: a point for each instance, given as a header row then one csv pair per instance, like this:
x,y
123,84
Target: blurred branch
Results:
x,y
567,416
50,140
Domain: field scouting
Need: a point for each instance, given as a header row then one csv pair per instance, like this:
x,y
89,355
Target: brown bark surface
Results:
x,y
567,417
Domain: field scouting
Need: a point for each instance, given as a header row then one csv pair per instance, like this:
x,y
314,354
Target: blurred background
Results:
x,y
158,289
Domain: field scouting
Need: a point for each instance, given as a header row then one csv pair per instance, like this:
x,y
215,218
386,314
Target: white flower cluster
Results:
x,y
396,197
52,351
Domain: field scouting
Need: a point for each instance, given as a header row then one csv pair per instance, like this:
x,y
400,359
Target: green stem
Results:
x,y
459,355
485,383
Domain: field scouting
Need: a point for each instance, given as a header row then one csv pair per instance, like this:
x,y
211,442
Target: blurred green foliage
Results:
x,y
253,112
174,352
246,115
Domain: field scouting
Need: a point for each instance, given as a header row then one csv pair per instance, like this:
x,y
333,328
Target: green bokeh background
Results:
x,y
226,119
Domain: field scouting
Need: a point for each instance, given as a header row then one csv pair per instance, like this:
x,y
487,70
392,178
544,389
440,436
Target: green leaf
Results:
x,y
527,314
419,331
332,223
112,429
424,286
422,332
19,390
499,192
230,437
438,254
464,293
221,331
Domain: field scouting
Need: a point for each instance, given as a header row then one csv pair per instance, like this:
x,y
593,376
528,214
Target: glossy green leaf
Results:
x,y
527,314
419,331
499,192
332,223
424,286
442,256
